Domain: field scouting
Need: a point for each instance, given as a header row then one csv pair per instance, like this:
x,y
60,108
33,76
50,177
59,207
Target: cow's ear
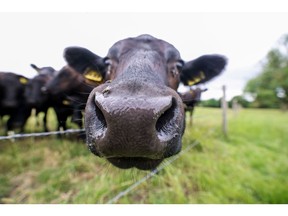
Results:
x,y
85,62
202,69
35,67
43,70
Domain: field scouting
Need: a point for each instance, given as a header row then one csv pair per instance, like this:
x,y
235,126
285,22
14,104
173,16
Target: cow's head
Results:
x,y
33,93
43,70
136,119
191,97
66,80
11,87
77,77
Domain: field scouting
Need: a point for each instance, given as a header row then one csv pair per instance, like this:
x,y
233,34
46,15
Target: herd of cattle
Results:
x,y
134,115
19,95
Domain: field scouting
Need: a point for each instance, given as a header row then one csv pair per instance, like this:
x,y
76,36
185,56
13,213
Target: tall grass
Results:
x,y
248,166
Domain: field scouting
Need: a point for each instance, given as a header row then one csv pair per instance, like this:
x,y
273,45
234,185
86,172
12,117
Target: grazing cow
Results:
x,y
190,99
136,118
42,101
12,101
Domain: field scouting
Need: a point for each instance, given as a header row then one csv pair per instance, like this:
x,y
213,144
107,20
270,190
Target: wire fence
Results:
x,y
130,188
159,168
152,173
69,131
134,185
17,136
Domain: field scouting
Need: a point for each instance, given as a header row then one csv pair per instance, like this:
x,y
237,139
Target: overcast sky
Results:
x,y
244,38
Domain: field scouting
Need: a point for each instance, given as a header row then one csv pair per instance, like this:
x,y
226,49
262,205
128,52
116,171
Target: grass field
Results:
x,y
248,166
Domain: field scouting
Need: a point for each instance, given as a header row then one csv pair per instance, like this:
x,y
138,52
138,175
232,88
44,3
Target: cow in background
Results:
x,y
190,98
34,97
12,100
42,101
136,118
76,82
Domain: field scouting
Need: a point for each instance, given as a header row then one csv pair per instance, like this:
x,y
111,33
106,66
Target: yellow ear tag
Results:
x,y
93,76
191,82
66,102
197,79
23,80
202,75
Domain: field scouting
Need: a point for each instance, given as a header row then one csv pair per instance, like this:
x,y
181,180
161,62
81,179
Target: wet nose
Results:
x,y
133,126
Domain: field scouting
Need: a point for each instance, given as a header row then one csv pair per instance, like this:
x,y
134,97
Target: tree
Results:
x,y
240,100
210,103
270,87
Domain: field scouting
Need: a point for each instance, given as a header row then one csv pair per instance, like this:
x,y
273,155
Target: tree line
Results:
x,y
270,88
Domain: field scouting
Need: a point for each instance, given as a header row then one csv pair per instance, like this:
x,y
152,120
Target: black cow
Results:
x,y
137,119
33,94
75,83
42,101
190,99
12,101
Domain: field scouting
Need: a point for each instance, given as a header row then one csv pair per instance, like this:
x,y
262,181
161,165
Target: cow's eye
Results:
x,y
176,69
108,61
179,65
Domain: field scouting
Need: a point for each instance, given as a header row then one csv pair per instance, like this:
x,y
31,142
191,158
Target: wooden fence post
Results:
x,y
224,111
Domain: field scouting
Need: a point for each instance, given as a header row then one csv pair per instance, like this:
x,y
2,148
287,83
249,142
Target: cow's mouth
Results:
x,y
138,162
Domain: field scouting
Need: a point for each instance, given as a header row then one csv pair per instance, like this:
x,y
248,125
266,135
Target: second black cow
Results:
x,y
41,101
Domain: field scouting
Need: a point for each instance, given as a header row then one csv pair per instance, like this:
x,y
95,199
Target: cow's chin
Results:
x,y
140,163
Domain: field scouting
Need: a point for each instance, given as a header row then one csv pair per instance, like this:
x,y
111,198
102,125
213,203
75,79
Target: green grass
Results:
x,y
250,165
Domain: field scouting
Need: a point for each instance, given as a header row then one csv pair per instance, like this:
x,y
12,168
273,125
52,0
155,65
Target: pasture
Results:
x,y
248,166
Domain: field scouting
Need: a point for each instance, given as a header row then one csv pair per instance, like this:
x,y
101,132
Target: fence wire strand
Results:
x,y
152,173
28,135
16,136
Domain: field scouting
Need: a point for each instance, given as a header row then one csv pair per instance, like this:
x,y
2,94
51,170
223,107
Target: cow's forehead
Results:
x,y
144,42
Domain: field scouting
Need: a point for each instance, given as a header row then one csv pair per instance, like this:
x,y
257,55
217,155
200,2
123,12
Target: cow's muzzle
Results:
x,y
134,131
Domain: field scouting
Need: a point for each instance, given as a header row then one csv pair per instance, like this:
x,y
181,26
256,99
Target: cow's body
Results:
x,y
41,101
33,94
12,101
137,119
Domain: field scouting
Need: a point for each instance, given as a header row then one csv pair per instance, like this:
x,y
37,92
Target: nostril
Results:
x,y
95,125
164,124
101,124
